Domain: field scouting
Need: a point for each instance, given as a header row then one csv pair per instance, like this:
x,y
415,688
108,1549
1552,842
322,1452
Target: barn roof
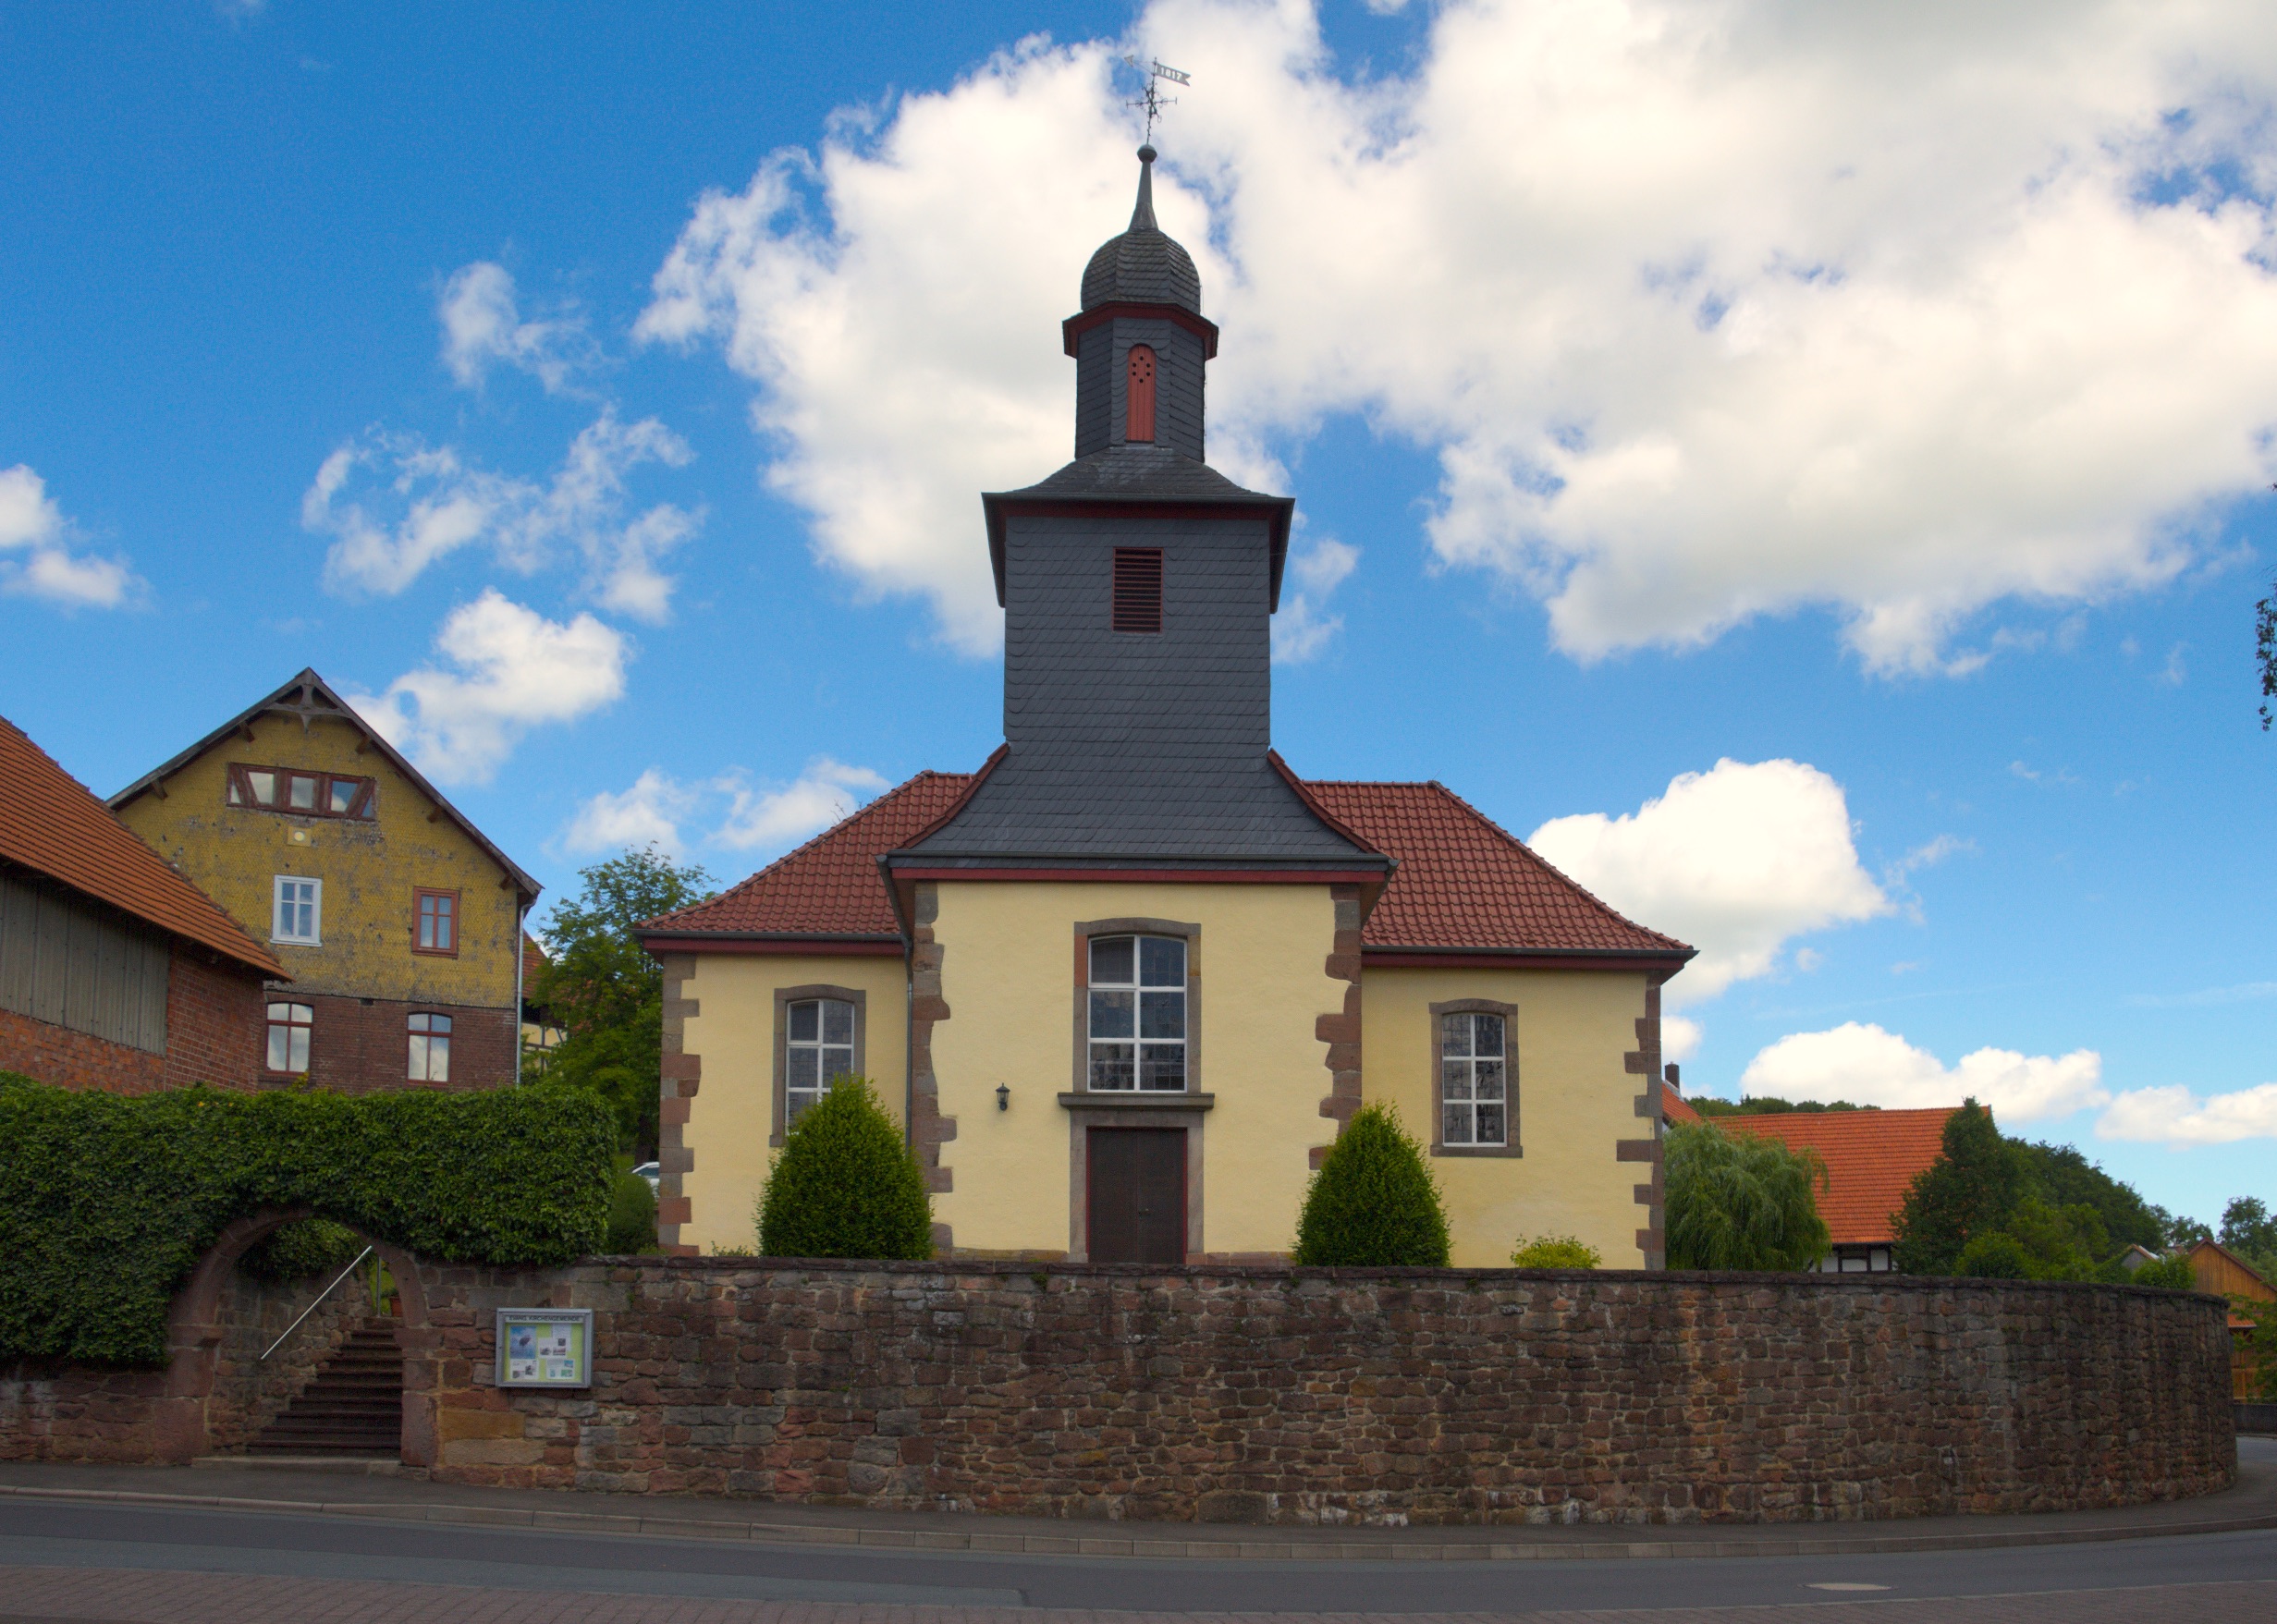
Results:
x,y
52,825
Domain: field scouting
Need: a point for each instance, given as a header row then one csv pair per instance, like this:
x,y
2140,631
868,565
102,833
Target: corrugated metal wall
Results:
x,y
81,965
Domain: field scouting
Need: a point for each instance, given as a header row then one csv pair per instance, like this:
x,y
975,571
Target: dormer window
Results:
x,y
1140,395
301,793
1138,589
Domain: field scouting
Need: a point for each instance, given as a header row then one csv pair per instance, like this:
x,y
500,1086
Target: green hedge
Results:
x,y
107,1203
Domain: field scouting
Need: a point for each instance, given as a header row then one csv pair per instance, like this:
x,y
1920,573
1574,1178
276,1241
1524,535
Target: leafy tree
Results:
x,y
846,1184
2185,1230
2067,1179
1994,1256
1555,1251
1737,1201
605,993
2249,1230
2265,653
2058,1243
1974,1188
1768,1106
2174,1274
1372,1204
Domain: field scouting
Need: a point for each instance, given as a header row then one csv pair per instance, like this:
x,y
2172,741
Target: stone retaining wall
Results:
x,y
1267,1395
76,1412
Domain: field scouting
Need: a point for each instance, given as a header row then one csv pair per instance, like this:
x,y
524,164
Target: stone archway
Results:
x,y
194,1334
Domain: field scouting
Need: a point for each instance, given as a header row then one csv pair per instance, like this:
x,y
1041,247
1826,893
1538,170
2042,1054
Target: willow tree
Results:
x,y
1736,1201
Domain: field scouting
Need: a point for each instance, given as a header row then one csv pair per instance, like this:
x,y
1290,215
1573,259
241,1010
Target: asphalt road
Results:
x,y
95,1539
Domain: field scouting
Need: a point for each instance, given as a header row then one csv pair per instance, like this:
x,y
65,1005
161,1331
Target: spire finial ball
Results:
x,y
1146,154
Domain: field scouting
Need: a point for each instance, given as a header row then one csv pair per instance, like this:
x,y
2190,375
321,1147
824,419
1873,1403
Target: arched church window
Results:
x,y
1141,394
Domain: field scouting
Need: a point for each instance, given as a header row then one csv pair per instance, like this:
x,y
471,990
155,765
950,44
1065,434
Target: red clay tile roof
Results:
x,y
830,885
1872,1158
1463,882
1674,1107
52,824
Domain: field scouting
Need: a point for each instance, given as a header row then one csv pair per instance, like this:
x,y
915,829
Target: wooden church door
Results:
x,y
1134,1187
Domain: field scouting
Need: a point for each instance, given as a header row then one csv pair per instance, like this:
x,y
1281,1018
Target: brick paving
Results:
x,y
75,1595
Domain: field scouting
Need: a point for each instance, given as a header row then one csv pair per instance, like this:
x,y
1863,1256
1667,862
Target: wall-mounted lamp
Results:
x,y
1004,1097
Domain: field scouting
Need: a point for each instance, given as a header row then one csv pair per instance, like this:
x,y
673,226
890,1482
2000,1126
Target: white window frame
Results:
x,y
1144,996
1461,1072
797,1099
314,902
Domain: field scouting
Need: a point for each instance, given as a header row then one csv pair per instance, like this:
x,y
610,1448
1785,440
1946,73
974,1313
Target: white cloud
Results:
x,y
1303,627
1707,310
504,670
1735,860
482,325
2180,1119
827,792
36,556
659,806
1680,1038
1869,1067
426,503
647,814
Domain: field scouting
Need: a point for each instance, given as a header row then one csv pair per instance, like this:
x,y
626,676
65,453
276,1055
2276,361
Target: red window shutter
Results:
x,y
1138,589
1141,394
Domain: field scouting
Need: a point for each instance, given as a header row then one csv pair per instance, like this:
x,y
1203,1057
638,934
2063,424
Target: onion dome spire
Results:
x,y
1142,266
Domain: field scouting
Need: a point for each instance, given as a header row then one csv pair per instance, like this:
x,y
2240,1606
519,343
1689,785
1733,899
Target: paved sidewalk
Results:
x,y
51,1595
2251,1504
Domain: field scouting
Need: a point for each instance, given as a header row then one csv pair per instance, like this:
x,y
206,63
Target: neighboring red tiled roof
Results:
x,y
830,885
1872,1158
52,824
1463,881
1674,1107
534,960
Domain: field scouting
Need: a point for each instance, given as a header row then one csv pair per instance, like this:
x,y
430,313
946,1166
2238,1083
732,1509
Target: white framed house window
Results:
x,y
818,1050
430,1048
298,916
1474,1080
1138,1013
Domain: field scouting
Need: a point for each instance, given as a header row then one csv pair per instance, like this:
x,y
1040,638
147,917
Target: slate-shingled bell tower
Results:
x,y
1138,584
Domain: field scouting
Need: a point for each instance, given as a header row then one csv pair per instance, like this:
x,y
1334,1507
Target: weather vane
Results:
x,y
1154,101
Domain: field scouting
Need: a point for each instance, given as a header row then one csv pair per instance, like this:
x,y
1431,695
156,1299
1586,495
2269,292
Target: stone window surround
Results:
x,y
1508,1012
1084,930
784,998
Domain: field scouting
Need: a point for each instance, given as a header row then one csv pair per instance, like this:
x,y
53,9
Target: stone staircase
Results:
x,y
354,1407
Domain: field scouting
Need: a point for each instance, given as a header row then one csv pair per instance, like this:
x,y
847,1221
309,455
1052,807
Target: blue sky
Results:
x,y
1877,407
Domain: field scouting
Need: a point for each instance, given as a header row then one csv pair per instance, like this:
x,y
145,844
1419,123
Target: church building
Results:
x,y
1124,984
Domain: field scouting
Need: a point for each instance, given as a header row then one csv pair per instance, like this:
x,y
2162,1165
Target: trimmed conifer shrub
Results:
x,y
1374,1203
633,1214
1555,1251
846,1184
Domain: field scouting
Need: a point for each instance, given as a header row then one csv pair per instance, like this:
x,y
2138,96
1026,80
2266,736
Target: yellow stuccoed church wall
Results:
x,y
1575,1103
1008,974
731,1118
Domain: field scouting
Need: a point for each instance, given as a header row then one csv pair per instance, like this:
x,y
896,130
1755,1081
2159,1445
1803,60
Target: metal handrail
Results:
x,y
312,1306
